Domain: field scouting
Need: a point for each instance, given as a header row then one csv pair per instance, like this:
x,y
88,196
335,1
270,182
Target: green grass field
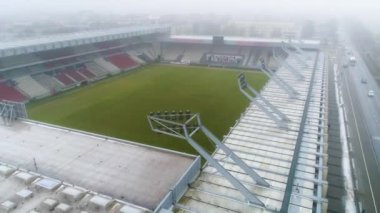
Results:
x,y
118,106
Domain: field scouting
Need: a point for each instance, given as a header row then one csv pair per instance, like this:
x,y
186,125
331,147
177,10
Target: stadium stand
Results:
x,y
53,68
135,56
8,92
75,75
105,65
31,87
87,73
226,49
50,83
96,69
122,61
233,52
56,63
147,52
173,52
255,54
107,44
85,48
61,62
145,57
194,53
151,53
64,79
18,60
245,51
58,53
106,53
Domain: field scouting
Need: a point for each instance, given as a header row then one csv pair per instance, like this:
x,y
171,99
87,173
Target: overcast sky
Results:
x,y
369,9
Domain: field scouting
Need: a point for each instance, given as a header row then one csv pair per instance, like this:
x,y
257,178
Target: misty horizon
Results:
x,y
161,7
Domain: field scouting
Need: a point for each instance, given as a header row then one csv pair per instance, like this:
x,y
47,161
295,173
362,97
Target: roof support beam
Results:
x,y
255,177
280,82
271,111
293,53
296,72
184,126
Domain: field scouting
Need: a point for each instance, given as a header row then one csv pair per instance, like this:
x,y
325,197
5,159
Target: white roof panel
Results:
x,y
101,201
25,193
5,171
49,184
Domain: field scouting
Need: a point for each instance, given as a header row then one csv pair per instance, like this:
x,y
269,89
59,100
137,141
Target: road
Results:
x,y
363,115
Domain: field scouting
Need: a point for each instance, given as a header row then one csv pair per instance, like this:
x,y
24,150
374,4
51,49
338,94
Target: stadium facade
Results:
x,y
41,169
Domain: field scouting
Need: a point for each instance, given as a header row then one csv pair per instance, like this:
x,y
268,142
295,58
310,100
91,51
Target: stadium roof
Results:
x,y
133,173
243,41
293,161
18,47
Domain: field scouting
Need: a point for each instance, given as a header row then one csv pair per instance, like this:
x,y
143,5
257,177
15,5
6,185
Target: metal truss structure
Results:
x,y
296,72
292,160
280,82
292,50
10,111
184,125
271,111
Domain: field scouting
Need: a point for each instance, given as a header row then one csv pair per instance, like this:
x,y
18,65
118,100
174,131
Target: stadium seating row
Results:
x,y
248,57
68,55
122,61
50,72
52,84
25,87
8,92
31,87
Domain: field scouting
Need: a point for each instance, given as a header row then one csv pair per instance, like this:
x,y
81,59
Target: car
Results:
x,y
371,93
364,80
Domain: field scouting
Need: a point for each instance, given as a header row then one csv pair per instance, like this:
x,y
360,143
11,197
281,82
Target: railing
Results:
x,y
181,186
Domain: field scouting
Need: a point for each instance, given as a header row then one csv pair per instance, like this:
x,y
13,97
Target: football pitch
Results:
x,y
118,106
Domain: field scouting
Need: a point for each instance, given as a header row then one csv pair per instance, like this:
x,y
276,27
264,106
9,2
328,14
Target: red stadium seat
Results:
x,y
122,61
87,73
75,75
10,93
64,79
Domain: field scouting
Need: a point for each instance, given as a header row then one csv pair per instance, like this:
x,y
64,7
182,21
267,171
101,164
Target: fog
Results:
x,y
106,12
359,8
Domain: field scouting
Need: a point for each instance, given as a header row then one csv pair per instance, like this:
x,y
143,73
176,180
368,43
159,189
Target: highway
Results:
x,y
363,127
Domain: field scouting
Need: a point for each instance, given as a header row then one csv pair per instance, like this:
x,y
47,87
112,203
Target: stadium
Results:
x,y
112,121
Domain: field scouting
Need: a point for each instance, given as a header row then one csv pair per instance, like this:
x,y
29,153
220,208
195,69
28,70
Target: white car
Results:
x,y
371,93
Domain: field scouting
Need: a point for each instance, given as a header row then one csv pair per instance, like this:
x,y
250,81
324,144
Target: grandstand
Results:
x,y
9,92
67,170
36,68
238,52
97,70
51,84
122,61
30,87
